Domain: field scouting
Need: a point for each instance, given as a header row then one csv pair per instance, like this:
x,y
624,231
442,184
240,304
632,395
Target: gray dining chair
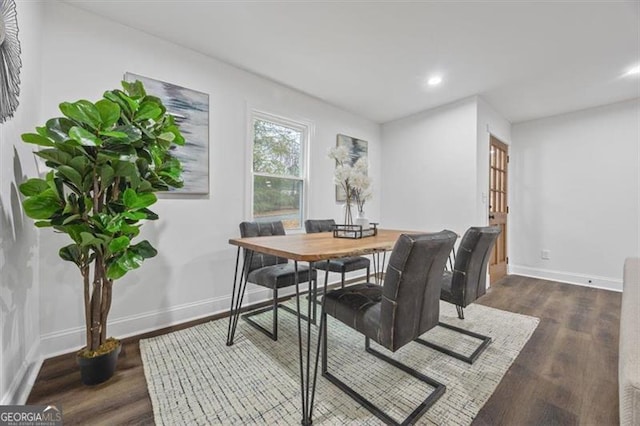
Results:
x,y
466,283
341,265
396,313
272,272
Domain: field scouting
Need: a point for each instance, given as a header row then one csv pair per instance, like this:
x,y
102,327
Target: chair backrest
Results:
x,y
469,280
261,229
313,226
411,292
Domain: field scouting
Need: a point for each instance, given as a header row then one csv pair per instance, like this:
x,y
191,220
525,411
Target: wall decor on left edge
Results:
x,y
190,109
10,62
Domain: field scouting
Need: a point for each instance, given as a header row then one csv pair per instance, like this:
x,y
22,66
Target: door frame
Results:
x,y
503,205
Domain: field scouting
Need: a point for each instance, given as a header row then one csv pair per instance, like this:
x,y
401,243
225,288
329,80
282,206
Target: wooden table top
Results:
x,y
319,246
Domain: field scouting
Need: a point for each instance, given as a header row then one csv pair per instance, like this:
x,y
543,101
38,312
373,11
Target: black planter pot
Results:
x,y
98,369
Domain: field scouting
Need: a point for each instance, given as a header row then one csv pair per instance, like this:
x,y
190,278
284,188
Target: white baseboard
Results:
x,y
24,379
604,283
73,339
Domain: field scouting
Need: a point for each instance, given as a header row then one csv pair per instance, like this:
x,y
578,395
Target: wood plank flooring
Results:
x,y
567,374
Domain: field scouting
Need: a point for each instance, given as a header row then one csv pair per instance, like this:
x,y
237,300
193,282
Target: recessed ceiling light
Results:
x,y
633,71
434,81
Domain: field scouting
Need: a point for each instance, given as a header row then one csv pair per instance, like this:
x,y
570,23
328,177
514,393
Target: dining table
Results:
x,y
309,248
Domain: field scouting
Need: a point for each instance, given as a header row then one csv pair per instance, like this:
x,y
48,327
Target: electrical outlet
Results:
x,y
545,254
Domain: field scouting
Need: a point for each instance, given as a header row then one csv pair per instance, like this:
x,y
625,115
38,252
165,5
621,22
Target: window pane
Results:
x,y
276,149
278,199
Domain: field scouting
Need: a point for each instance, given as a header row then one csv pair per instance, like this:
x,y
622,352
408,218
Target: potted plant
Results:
x,y
107,160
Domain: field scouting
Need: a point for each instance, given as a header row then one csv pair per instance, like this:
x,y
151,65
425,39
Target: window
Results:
x,y
278,169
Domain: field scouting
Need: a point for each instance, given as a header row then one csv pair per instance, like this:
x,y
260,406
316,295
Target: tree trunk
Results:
x,y
107,285
87,302
96,302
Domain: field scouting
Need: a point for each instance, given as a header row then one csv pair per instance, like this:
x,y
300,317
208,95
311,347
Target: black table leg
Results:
x,y
378,266
308,375
237,297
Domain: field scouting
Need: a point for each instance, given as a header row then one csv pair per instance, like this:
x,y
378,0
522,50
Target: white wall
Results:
x,y
192,275
19,300
575,191
429,170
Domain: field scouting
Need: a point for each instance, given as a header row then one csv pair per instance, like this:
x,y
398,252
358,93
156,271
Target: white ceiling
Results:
x,y
527,59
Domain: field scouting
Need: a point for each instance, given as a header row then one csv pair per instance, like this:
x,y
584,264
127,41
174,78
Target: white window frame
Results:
x,y
306,128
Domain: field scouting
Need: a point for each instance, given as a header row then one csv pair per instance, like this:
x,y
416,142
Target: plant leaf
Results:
x,y
134,89
134,215
84,137
118,244
129,105
71,174
130,260
58,128
33,186
179,139
106,175
109,112
115,271
54,155
132,230
37,139
72,253
71,218
129,134
167,136
138,201
43,205
144,249
148,110
83,112
80,163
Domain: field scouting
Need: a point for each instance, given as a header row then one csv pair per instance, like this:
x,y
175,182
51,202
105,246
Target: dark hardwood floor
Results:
x,y
567,374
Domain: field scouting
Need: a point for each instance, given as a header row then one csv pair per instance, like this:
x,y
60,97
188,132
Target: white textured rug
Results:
x,y
194,378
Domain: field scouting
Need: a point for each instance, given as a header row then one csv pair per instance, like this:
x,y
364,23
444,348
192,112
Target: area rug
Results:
x,y
194,378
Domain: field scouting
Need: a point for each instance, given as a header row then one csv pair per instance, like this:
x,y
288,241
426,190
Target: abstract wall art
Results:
x,y
190,109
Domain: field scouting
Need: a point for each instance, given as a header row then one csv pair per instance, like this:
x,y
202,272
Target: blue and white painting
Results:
x,y
190,109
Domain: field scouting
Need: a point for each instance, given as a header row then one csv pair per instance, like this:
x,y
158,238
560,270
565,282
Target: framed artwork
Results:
x,y
190,109
10,62
357,149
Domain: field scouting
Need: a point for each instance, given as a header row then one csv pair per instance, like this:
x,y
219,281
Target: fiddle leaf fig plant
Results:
x,y
107,159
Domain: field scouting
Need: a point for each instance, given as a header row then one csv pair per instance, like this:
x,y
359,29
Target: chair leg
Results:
x,y
460,311
342,279
368,272
314,301
275,314
273,333
439,388
486,340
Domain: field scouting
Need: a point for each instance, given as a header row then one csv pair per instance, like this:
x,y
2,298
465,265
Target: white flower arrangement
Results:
x,y
353,179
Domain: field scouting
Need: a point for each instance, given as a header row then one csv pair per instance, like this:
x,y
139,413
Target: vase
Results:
x,y
348,217
362,220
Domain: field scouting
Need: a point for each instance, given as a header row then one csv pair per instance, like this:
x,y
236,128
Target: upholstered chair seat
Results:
x,y
278,276
358,306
